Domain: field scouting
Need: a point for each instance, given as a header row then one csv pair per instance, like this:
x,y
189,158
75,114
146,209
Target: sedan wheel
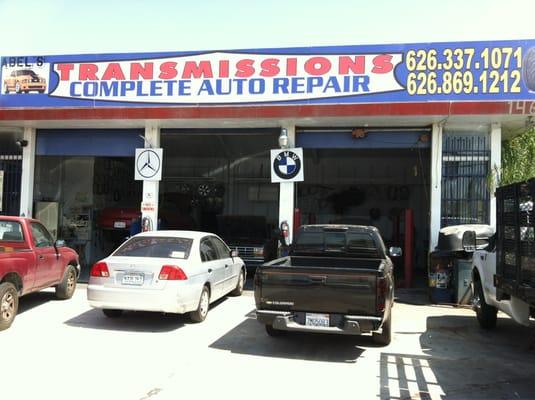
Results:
x,y
201,312
203,306
239,287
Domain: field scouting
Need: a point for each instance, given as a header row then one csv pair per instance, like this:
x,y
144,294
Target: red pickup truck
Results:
x,y
30,260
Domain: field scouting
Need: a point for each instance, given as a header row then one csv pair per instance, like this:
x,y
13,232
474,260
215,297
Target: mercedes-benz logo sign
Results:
x,y
148,163
287,164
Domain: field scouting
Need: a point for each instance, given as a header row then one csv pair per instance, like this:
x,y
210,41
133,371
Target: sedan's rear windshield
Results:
x,y
157,247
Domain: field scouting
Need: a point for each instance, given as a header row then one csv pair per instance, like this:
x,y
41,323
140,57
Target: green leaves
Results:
x,y
518,158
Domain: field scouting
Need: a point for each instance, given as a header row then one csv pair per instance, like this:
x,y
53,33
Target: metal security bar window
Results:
x,y
465,170
10,173
10,178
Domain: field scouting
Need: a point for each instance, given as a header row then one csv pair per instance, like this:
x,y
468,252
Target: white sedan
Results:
x,y
166,271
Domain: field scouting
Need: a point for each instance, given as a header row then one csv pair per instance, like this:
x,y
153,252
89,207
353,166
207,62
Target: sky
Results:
x,y
48,27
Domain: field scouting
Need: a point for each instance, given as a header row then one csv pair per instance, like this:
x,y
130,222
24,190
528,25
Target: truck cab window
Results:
x,y
11,231
335,240
359,240
41,236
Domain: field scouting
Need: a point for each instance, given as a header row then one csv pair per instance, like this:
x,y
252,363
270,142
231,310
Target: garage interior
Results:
x,y
89,202
376,177
212,180
219,180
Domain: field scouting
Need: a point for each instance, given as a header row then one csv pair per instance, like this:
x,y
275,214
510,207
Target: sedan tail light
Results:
x,y
172,273
100,270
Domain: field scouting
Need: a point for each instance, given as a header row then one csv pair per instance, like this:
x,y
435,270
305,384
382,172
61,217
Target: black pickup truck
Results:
x,y
337,279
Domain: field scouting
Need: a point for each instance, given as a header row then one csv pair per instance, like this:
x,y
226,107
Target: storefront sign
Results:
x,y
461,71
148,164
1,189
287,165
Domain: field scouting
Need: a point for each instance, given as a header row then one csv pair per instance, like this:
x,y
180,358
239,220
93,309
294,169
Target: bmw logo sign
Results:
x,y
287,164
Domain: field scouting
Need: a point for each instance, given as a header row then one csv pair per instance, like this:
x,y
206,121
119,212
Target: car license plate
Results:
x,y
317,319
119,224
132,279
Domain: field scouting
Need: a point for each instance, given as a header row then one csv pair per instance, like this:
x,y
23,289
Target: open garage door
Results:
x,y
369,177
218,180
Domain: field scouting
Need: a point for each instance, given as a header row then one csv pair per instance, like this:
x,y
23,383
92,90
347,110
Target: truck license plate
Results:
x,y
317,319
132,279
119,224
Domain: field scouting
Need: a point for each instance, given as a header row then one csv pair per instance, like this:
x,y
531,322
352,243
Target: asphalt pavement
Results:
x,y
66,350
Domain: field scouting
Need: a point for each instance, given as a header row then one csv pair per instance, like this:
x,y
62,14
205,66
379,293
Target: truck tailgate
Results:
x,y
340,288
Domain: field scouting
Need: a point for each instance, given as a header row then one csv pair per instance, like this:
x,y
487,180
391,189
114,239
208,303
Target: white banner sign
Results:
x,y
222,77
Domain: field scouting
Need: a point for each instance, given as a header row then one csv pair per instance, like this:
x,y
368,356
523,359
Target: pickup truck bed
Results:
x,y
334,292
333,285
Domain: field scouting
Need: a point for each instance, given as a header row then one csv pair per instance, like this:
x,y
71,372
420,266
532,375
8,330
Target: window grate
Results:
x,y
465,170
11,167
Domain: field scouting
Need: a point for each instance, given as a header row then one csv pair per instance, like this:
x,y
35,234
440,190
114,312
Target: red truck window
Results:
x,y
11,231
41,236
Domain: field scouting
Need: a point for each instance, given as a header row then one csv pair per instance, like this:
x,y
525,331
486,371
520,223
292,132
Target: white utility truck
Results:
x,y
503,269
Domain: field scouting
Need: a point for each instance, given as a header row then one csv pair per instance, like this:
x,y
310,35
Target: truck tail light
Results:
x,y
172,273
381,293
100,270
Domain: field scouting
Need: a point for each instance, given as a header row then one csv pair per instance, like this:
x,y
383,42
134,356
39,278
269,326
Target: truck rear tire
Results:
x,y
385,337
67,286
9,304
273,332
487,315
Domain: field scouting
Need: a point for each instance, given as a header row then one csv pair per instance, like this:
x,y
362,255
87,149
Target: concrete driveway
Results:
x,y
66,350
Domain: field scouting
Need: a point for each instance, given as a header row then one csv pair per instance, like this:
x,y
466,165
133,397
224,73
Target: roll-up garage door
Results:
x,y
89,142
363,138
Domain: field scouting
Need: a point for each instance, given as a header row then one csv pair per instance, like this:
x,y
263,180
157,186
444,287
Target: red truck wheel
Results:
x,y
66,288
9,304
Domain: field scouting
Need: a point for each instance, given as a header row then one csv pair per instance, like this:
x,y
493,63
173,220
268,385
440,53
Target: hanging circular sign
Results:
x,y
148,164
287,164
